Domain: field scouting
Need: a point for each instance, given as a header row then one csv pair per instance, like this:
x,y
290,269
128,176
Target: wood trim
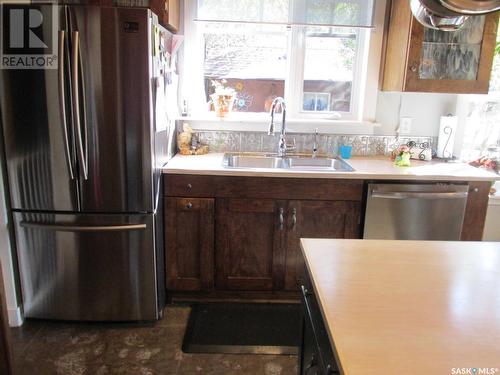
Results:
x,y
352,228
173,15
5,341
475,211
398,43
262,187
236,296
479,86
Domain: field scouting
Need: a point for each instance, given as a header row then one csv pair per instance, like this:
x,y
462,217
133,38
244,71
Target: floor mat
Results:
x,y
243,328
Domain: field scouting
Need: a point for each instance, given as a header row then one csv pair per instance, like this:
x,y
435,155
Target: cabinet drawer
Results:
x,y
189,186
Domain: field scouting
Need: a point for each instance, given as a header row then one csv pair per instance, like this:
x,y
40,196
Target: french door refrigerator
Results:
x,y
84,152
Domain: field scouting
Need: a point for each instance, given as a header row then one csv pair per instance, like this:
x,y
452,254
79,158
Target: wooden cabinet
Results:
x,y
475,211
258,241
316,219
239,237
168,12
249,244
189,243
253,243
419,59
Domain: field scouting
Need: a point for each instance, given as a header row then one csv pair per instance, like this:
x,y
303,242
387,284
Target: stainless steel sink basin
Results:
x,y
235,160
252,161
319,163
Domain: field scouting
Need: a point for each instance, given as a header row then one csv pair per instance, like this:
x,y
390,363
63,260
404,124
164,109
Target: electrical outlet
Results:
x,y
405,125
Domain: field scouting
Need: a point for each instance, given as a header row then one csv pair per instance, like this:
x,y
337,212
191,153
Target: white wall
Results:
x,y
13,307
425,109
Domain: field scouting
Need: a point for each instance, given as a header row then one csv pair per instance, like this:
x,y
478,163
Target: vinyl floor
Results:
x,y
48,348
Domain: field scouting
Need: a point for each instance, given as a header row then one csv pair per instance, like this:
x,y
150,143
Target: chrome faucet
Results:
x,y
282,146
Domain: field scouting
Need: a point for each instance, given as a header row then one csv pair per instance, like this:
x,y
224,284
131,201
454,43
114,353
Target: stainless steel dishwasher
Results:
x,y
415,211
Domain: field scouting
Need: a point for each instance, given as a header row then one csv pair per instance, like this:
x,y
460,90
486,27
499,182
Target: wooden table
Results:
x,y
408,307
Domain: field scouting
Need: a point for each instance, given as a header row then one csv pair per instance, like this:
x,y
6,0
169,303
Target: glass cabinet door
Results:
x,y
452,55
455,62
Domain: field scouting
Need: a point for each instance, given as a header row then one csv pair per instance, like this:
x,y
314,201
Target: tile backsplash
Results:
x,y
362,145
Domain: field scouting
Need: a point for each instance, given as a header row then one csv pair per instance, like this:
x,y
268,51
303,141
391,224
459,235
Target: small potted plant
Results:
x,y
222,98
401,156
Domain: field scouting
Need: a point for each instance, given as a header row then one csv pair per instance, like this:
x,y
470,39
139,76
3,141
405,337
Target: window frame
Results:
x,y
364,90
316,95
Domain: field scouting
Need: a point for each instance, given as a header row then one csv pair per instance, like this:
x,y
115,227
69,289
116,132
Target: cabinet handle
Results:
x,y
189,205
189,186
475,190
294,219
330,370
311,365
282,218
413,68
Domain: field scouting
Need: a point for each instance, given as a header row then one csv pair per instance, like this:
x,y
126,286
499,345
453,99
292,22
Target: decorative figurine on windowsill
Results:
x,y
188,144
401,156
222,98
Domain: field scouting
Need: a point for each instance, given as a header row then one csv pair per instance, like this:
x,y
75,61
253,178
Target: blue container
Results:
x,y
345,151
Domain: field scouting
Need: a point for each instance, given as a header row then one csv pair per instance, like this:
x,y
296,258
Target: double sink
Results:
x,y
291,161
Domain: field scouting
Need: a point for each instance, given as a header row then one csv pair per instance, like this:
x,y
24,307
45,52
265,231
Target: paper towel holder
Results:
x,y
446,139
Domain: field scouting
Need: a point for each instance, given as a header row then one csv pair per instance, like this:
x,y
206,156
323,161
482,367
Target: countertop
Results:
x,y
408,307
365,168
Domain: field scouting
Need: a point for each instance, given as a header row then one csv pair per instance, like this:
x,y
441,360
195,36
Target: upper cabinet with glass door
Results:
x,y
420,59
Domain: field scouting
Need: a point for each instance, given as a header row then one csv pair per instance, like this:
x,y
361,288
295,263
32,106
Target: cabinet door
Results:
x,y
168,12
421,59
309,356
457,62
189,243
316,219
249,238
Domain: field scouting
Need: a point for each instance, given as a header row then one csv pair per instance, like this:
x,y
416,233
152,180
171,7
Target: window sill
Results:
x,y
261,124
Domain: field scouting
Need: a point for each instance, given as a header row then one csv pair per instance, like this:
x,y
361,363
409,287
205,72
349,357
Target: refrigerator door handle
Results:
x,y
78,228
62,103
76,103
84,118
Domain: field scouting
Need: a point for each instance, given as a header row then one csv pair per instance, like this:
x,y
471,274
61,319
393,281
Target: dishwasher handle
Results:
x,y
419,194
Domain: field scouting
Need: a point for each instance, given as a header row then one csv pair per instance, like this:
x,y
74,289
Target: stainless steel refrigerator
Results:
x,y
84,150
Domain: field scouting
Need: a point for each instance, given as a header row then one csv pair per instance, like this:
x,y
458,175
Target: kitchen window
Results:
x,y
480,116
252,59
319,69
316,101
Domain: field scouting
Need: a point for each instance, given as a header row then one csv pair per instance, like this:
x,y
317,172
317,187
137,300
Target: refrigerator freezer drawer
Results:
x,y
87,267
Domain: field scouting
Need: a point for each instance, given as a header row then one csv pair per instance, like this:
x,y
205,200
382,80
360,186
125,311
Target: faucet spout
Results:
x,y
282,142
